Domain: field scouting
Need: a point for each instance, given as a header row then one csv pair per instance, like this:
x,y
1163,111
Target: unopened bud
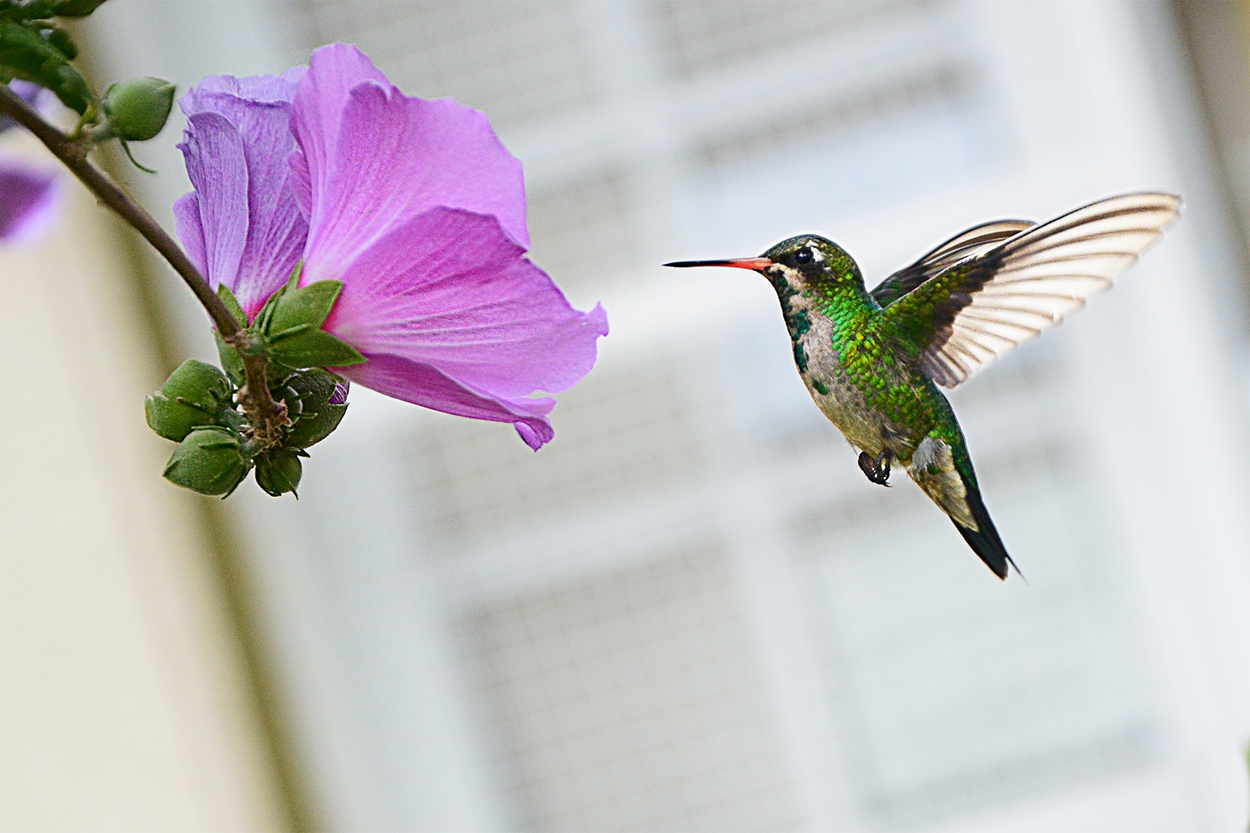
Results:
x,y
137,109
194,395
209,461
318,413
278,471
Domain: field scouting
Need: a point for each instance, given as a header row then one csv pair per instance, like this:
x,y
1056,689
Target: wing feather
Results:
x,y
962,246
1010,291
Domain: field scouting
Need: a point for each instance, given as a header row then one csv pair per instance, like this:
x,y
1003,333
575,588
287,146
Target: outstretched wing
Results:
x,y
976,240
982,307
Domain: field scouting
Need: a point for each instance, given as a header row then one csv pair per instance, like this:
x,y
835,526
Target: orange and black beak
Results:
x,y
759,264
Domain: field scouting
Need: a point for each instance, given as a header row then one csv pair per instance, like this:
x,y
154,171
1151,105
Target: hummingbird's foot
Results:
x,y
876,469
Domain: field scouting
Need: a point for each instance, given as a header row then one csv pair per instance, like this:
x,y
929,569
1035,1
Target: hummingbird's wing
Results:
x,y
982,307
976,240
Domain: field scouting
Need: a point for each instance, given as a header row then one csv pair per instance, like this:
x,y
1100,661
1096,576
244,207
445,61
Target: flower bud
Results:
x,y
278,471
317,414
209,461
194,395
137,109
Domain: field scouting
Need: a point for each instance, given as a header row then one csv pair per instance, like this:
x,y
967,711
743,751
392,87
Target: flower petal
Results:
x,y
393,157
189,227
452,290
423,384
237,144
213,150
318,105
34,95
28,200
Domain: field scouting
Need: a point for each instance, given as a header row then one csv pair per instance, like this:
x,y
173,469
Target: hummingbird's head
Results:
x,y
804,263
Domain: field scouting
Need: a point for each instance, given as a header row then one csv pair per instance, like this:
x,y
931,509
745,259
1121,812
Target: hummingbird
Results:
x,y
873,361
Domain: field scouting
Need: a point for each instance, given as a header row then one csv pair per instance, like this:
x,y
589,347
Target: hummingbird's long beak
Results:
x,y
756,263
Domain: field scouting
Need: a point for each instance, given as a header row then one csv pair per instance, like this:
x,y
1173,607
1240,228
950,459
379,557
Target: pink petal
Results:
x,y
28,200
452,290
250,232
318,108
425,385
213,150
394,157
189,227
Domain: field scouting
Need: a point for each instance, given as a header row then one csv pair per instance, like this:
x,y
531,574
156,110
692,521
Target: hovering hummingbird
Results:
x,y
872,361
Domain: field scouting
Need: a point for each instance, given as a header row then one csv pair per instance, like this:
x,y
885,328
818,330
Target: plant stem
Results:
x,y
264,414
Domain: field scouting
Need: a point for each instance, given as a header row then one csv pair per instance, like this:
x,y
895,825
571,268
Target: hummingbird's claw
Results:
x,y
876,469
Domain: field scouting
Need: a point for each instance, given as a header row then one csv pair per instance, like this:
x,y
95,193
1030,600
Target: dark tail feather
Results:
x,y
985,541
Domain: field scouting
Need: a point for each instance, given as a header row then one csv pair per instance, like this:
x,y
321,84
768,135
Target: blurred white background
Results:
x,y
690,611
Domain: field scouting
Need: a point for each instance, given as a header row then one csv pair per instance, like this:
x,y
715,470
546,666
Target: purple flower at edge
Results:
x,y
414,205
29,193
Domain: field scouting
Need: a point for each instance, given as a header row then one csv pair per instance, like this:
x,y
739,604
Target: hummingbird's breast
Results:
x,y
873,397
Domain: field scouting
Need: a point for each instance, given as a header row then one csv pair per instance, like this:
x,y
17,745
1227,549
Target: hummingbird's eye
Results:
x,y
804,256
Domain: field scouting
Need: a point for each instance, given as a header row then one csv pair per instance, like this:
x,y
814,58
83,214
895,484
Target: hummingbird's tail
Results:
x,y
984,540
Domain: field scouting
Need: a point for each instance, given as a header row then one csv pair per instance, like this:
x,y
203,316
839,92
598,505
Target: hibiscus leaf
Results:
x,y
26,54
76,8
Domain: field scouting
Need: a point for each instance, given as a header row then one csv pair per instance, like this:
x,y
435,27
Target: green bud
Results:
x,y
278,471
194,395
313,387
209,461
315,418
311,429
137,109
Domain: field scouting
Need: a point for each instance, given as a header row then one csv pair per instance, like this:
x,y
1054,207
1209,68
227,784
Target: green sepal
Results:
x,y
232,304
278,472
28,54
307,346
290,326
209,461
194,395
297,305
230,360
262,321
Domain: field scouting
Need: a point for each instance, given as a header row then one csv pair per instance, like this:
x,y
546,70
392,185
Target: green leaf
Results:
x,y
61,39
26,9
75,8
26,54
307,346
